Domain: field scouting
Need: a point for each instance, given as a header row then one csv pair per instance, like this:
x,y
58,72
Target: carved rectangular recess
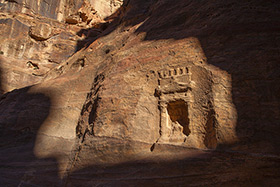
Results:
x,y
173,88
175,99
178,114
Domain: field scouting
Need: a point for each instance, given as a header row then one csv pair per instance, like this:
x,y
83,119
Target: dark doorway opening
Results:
x,y
178,112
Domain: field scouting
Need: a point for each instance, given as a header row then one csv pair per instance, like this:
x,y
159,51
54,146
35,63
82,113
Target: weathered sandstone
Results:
x,y
140,93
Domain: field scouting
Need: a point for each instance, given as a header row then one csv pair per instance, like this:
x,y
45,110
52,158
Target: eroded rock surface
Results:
x,y
45,33
54,9
188,95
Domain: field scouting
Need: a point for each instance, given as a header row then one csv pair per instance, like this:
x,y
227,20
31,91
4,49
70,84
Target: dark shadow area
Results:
x,y
210,139
1,89
178,112
102,29
21,115
241,38
90,34
200,169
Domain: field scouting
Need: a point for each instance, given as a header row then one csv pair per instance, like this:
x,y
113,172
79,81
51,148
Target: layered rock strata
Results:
x,y
188,95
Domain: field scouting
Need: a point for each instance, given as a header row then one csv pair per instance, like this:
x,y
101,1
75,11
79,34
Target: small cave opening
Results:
x,y
178,113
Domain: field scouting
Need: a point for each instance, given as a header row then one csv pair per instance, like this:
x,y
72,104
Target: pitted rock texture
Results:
x,y
30,36
54,9
184,96
45,43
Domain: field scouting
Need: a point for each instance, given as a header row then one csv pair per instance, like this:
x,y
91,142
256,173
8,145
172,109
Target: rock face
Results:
x,y
28,39
34,32
133,95
107,7
54,9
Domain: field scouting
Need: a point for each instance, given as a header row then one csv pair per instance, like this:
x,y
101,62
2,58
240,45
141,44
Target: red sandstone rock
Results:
x,y
184,96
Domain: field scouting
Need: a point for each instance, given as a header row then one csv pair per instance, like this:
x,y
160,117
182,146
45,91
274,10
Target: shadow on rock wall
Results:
x,y
21,115
1,89
193,169
102,29
241,38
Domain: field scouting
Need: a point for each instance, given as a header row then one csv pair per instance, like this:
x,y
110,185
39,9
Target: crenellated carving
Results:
x,y
178,116
174,95
174,72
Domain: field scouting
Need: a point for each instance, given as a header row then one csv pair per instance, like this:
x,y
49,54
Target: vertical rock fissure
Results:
x,y
86,121
88,113
92,115
210,139
160,130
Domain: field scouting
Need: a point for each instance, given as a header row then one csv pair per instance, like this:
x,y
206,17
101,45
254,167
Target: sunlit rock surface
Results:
x,y
134,93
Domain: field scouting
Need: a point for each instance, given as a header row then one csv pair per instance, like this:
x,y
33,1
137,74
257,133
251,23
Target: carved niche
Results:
x,y
174,100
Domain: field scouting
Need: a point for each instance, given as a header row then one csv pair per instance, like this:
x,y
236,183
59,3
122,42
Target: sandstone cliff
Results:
x,y
155,93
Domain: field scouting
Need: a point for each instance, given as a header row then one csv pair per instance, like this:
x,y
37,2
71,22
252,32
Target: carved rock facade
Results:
x,y
188,95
